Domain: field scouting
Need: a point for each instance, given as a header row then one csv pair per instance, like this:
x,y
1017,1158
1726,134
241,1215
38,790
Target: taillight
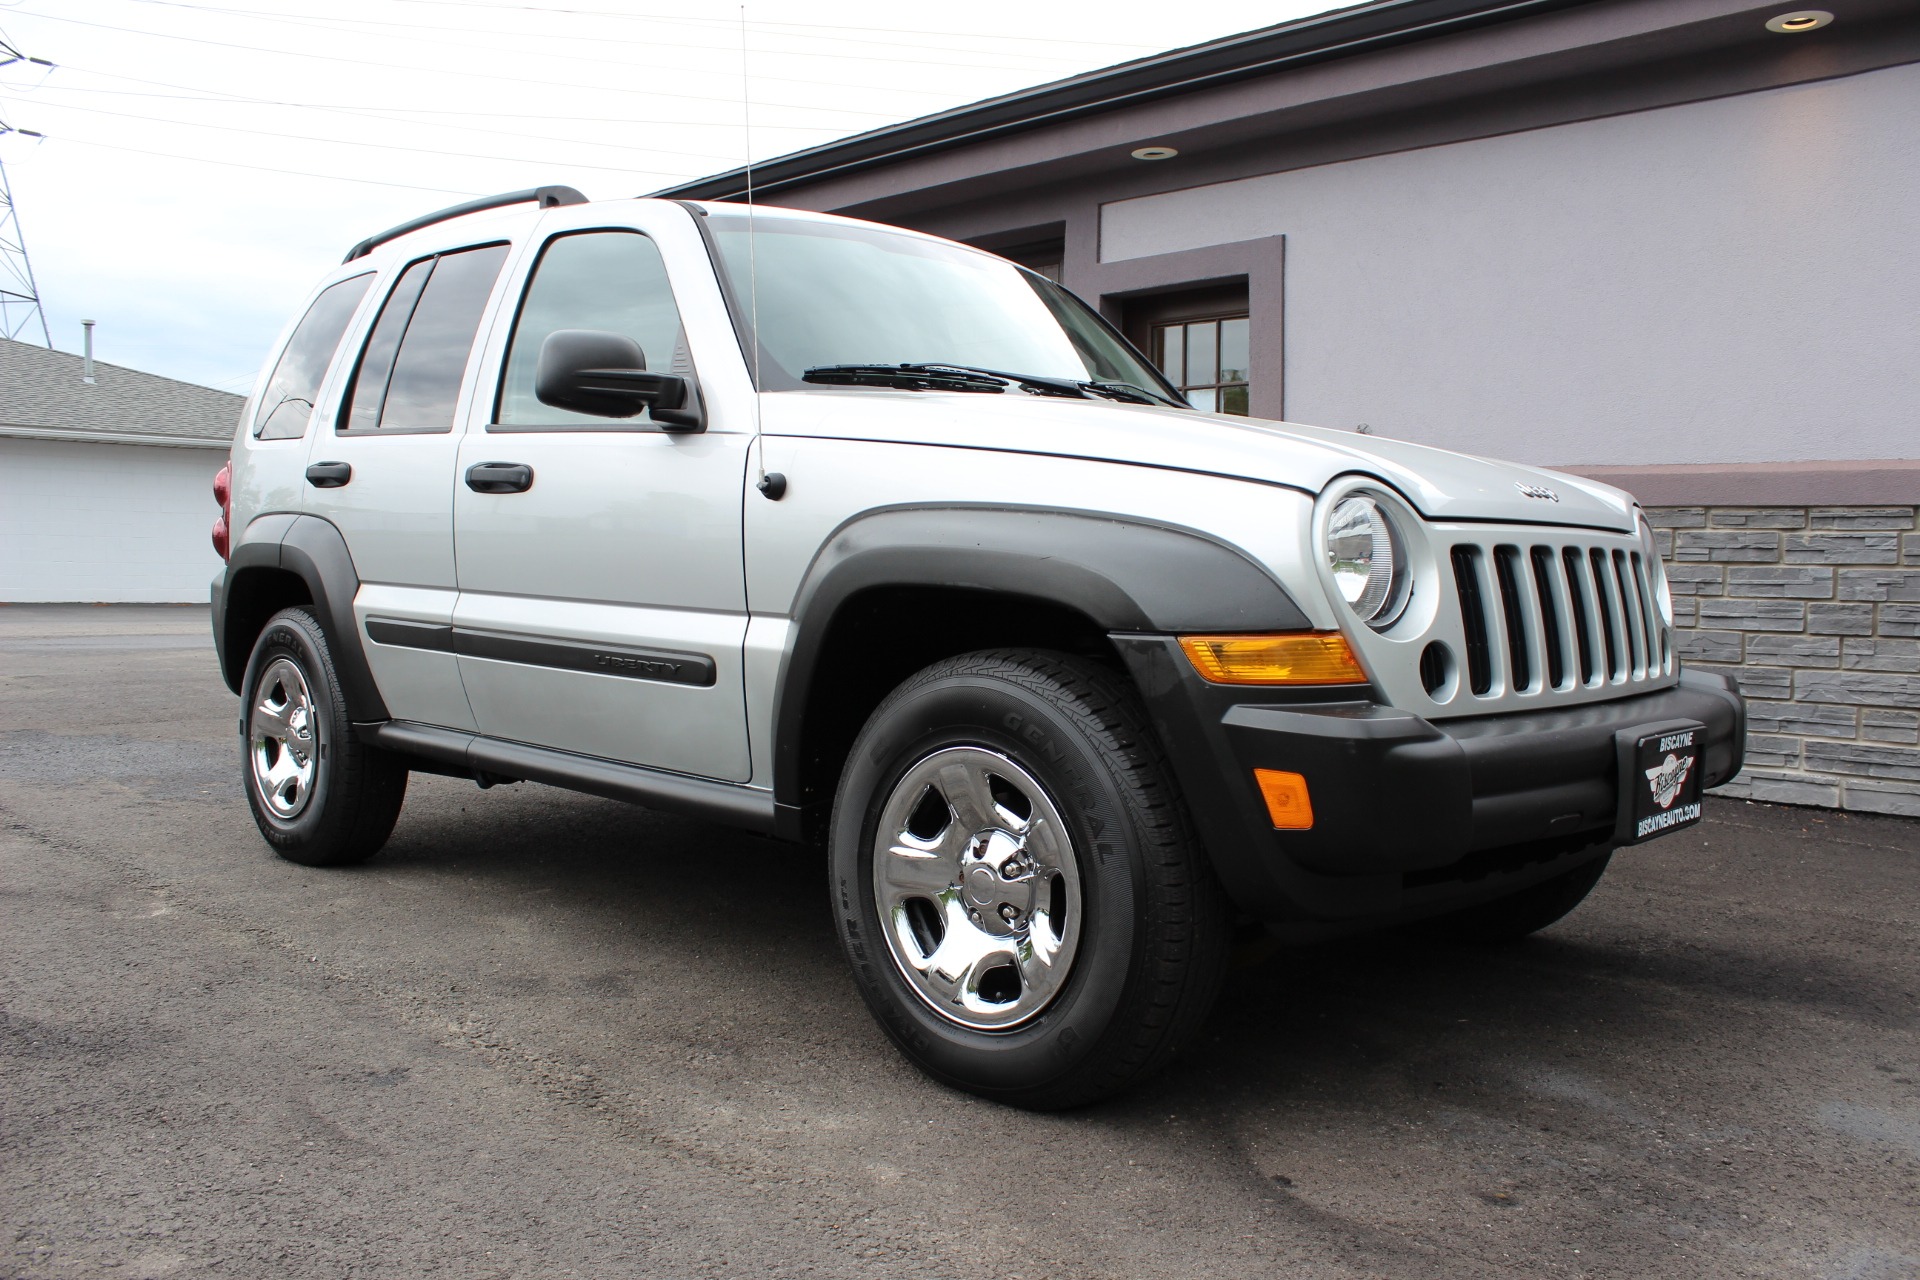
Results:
x,y
223,494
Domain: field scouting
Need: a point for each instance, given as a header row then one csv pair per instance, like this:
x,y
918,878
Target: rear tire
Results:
x,y
1514,917
319,795
1026,909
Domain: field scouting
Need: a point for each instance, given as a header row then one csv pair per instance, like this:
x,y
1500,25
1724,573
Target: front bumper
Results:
x,y
1410,816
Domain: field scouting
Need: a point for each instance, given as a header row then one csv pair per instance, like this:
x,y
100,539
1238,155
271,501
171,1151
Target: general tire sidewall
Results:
x,y
284,637
963,710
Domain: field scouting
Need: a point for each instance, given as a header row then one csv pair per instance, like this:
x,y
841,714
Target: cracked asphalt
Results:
x,y
549,1035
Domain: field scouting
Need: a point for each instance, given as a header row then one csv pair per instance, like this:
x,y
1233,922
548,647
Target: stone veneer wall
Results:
x,y
1816,612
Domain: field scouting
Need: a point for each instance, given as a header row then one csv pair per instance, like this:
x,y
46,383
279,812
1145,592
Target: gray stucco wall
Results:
x,y
1735,280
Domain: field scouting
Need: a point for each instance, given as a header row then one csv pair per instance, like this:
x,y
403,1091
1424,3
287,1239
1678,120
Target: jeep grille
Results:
x,y
1559,618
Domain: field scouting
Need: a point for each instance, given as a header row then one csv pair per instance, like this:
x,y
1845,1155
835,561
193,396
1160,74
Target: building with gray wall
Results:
x,y
1673,244
106,480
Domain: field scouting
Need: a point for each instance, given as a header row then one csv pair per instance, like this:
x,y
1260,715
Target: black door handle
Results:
x,y
329,475
499,477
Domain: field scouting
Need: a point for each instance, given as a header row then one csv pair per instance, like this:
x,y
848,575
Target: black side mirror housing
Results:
x,y
605,374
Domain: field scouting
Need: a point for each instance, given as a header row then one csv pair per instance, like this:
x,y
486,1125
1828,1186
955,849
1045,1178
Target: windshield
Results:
x,y
834,294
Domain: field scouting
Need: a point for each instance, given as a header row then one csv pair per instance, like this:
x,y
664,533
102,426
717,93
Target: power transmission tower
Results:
x,y
19,296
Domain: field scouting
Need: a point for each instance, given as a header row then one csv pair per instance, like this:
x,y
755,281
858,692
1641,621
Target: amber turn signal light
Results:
x,y
1318,657
1287,801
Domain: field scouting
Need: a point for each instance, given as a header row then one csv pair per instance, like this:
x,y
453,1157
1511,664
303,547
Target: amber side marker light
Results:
x,y
1320,657
1287,801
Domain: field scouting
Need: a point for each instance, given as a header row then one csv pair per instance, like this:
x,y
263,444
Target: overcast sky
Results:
x,y
204,164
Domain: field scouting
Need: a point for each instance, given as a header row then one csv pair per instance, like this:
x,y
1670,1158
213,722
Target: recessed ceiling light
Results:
x,y
1799,20
1154,153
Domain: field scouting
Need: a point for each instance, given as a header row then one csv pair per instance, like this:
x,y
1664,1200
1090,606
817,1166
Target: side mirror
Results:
x,y
605,374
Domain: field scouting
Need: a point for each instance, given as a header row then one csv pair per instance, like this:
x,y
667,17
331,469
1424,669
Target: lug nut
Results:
x,y
1008,912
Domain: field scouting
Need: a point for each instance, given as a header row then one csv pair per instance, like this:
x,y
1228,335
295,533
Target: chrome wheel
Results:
x,y
283,739
977,888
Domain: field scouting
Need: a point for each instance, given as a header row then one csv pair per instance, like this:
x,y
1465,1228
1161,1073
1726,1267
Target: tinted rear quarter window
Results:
x,y
409,376
287,404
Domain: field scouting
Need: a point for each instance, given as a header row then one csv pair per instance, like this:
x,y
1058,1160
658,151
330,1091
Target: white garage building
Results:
x,y
106,487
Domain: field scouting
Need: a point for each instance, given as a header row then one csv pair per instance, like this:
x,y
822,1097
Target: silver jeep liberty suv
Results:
x,y
854,536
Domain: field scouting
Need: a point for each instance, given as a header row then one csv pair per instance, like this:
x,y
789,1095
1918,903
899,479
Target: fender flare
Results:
x,y
315,551
1125,574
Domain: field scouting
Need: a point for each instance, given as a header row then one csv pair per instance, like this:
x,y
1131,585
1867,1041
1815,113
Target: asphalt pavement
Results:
x,y
549,1035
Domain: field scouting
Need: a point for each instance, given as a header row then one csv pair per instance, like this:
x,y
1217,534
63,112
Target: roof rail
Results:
x,y
545,197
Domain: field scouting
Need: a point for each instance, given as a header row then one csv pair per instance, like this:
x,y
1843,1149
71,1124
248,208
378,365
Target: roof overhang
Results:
x,y
1341,33
112,437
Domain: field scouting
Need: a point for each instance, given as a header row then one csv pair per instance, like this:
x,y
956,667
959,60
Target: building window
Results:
x,y
1208,360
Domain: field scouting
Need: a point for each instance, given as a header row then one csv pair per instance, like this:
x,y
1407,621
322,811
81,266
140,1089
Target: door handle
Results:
x,y
329,475
499,477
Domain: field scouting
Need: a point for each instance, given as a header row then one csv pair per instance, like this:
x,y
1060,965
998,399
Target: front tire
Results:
x,y
319,795
1017,887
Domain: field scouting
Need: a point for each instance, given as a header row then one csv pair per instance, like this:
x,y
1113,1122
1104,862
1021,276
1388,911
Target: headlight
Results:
x,y
1368,560
1656,571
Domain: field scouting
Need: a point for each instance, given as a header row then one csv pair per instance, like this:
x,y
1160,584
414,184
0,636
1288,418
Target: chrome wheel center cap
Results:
x,y
300,734
997,879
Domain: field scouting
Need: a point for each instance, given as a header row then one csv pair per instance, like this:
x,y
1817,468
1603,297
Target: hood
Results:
x,y
1440,484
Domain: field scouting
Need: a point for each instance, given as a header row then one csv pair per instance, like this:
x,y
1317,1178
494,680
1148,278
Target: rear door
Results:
x,y
603,608
383,472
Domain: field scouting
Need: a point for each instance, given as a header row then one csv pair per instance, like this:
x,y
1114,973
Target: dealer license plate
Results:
x,y
1666,781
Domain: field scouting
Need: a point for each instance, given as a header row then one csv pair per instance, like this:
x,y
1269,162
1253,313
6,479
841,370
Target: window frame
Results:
x,y
1157,328
640,425
344,410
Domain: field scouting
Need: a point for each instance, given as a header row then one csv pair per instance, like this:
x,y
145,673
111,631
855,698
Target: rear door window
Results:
x,y
410,372
287,405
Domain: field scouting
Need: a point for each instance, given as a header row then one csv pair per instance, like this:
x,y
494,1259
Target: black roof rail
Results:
x,y
545,197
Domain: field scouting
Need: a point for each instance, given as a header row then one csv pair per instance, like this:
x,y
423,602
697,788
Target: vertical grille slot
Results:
x,y
1649,616
1603,592
1636,648
1473,618
1553,638
1577,604
1506,567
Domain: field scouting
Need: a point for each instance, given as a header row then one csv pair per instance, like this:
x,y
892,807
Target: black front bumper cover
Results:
x,y
1411,816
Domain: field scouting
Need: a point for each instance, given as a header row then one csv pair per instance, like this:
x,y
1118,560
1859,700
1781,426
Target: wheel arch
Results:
x,y
286,560
896,589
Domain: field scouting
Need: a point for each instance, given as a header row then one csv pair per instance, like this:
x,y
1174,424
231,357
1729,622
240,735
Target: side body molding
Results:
x,y
313,550
1124,575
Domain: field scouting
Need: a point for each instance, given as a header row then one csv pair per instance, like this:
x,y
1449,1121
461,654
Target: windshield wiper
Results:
x,y
965,377
911,377
1131,394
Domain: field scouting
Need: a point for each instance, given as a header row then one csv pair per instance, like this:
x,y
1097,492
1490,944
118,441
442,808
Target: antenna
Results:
x,y
19,295
773,485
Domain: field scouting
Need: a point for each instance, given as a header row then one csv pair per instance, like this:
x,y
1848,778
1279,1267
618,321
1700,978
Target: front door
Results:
x,y
602,606
383,472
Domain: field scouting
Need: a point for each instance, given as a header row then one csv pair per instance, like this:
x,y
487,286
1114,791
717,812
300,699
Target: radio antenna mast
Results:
x,y
19,295
775,485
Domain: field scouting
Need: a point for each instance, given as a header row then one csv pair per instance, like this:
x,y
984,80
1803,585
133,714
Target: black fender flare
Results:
x,y
315,551
1125,574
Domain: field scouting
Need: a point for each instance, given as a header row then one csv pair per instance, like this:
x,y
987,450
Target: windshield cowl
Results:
x,y
950,377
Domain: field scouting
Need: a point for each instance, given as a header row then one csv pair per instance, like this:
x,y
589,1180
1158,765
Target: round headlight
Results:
x,y
1656,571
1364,550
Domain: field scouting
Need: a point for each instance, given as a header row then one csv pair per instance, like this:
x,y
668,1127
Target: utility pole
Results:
x,y
19,296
